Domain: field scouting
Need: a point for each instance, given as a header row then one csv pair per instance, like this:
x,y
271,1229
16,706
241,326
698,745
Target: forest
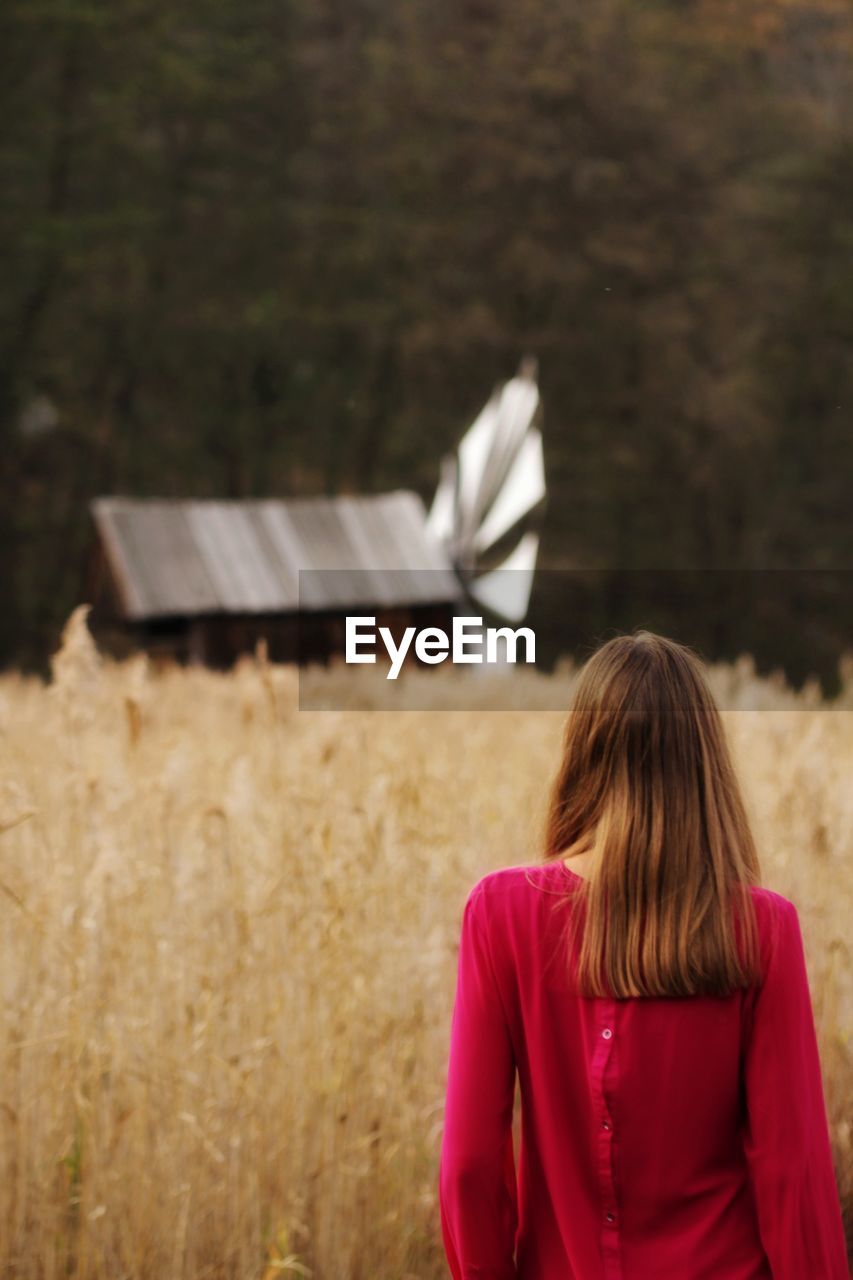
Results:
x,y
285,247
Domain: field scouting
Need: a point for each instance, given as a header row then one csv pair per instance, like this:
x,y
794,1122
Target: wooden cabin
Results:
x,y
204,580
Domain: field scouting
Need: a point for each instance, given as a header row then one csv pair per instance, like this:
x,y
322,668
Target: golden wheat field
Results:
x,y
229,937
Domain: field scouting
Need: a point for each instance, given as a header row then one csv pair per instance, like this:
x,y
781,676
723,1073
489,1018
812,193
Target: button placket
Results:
x,y
611,1254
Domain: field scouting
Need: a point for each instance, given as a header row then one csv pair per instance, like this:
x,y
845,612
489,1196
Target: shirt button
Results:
x,y
607,1033
605,1124
610,1217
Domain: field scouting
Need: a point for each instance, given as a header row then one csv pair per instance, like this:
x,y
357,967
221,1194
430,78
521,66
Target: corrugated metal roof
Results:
x,y
170,557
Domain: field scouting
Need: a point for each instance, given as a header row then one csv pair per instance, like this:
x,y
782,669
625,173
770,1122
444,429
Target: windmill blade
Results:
x,y
506,590
495,482
474,451
515,410
519,402
522,490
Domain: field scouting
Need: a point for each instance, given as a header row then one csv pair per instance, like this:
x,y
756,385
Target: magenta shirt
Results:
x,y
661,1138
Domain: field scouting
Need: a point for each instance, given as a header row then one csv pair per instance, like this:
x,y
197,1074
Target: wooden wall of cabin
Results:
x,y
218,640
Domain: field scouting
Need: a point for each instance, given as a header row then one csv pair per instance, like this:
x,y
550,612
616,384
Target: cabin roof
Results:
x,y
175,557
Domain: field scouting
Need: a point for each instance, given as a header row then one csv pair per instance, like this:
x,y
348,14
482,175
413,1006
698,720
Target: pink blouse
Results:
x,y
661,1138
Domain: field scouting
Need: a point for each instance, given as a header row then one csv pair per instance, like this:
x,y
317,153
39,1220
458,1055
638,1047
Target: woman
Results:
x,y
653,1000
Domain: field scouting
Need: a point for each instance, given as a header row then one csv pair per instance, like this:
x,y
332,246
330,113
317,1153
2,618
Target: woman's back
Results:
x,y
663,1138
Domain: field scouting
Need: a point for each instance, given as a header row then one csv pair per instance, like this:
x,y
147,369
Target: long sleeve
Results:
x,y
787,1135
477,1186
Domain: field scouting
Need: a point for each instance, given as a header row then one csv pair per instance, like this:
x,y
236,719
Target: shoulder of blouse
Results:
x,y
771,897
770,904
499,902
776,916
772,909
490,895
495,887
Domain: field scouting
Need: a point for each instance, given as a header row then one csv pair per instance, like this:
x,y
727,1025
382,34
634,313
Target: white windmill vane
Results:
x,y
489,496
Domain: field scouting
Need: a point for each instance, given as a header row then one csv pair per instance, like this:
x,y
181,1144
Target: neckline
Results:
x,y
572,874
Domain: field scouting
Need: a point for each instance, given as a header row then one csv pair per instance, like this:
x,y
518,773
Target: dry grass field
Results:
x,y
228,953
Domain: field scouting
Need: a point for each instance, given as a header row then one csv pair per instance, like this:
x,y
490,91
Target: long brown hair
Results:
x,y
647,785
